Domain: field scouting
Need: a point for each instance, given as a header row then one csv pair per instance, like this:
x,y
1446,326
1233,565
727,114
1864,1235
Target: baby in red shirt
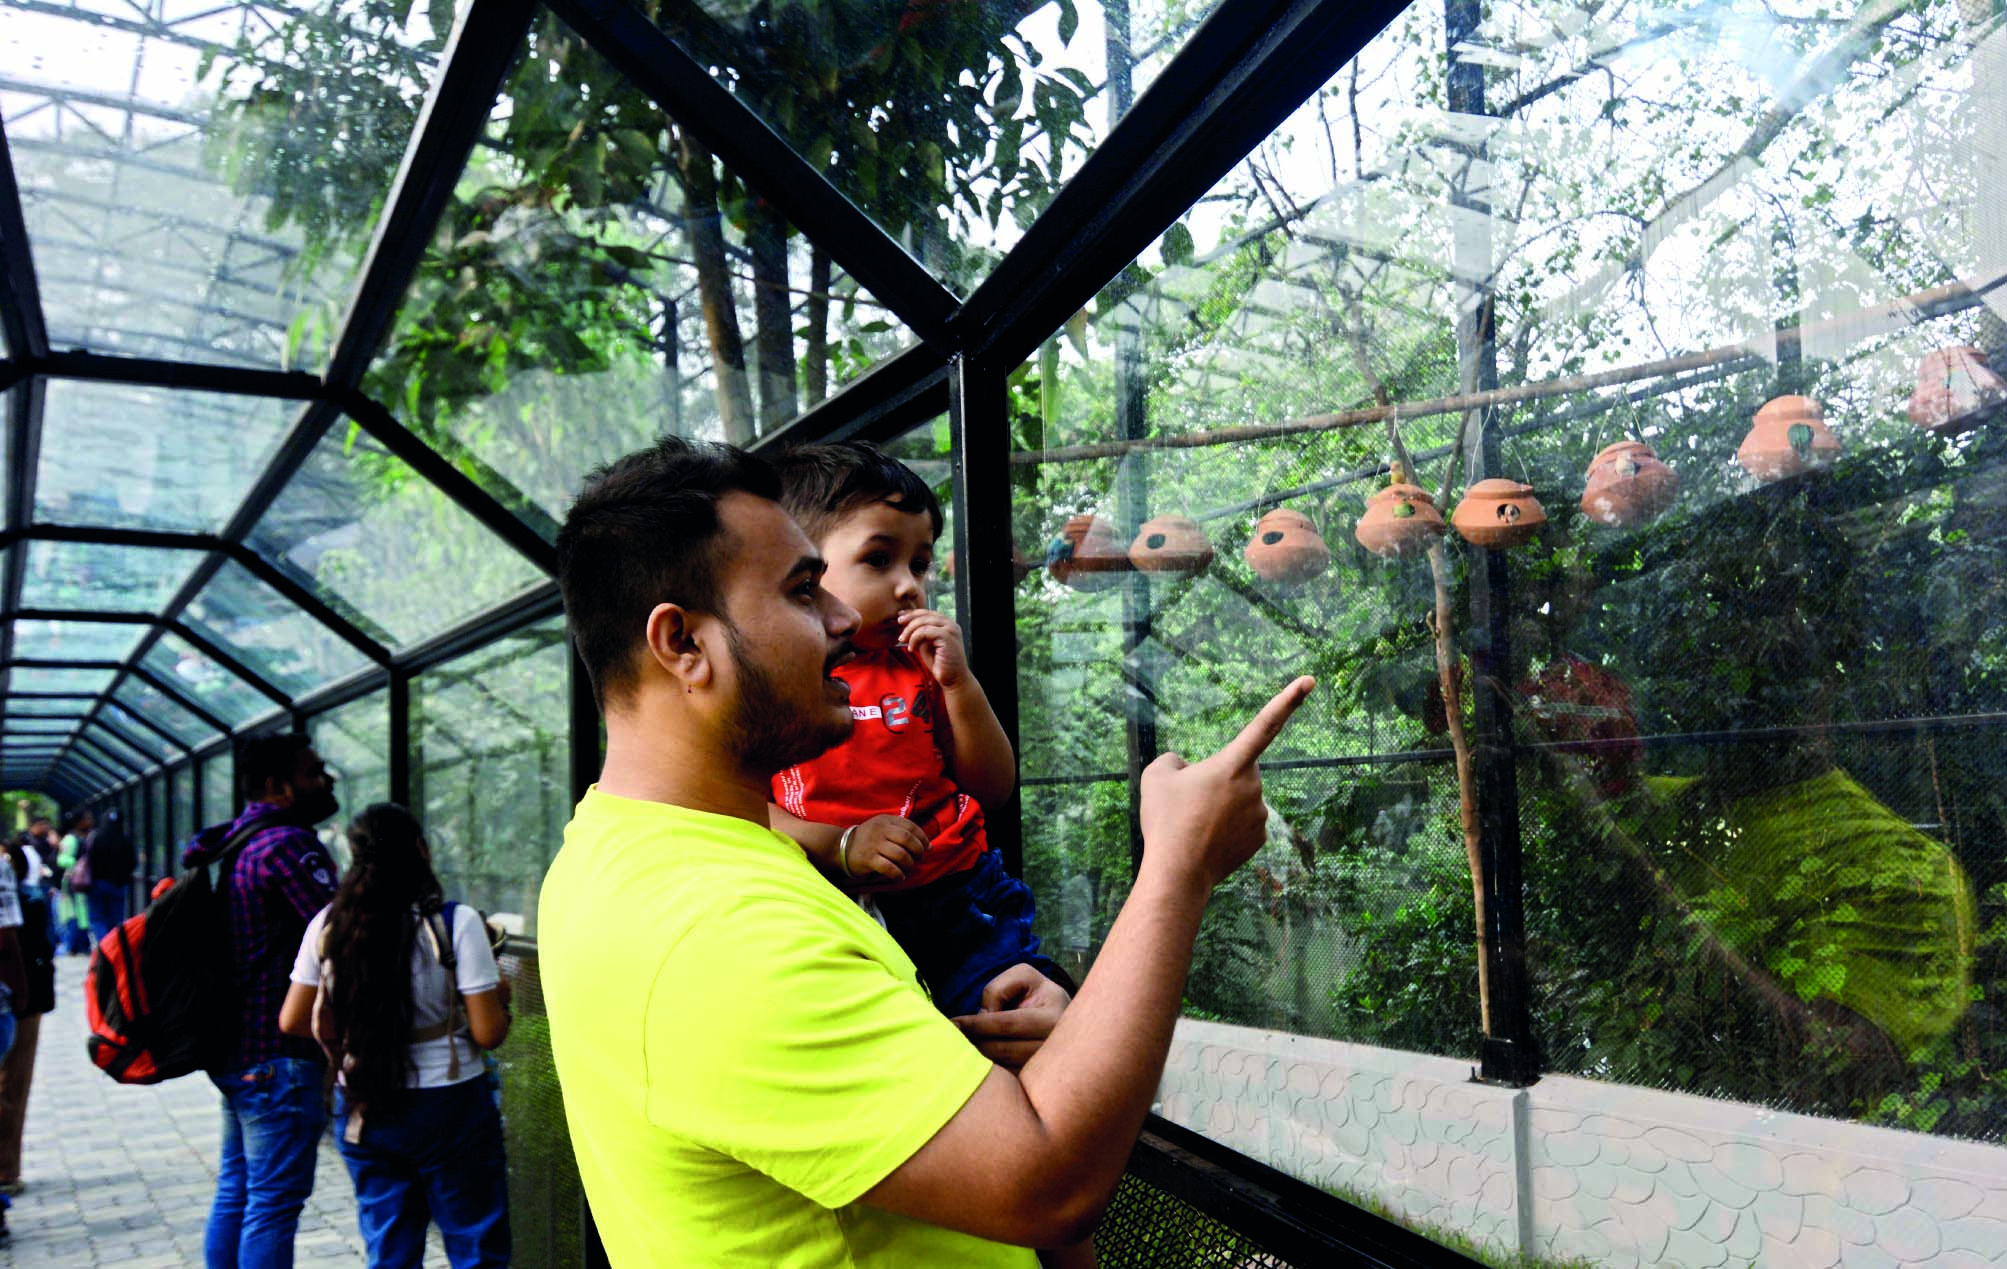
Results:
x,y
896,811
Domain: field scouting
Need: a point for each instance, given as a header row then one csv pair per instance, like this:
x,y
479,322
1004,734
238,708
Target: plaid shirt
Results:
x,y
281,878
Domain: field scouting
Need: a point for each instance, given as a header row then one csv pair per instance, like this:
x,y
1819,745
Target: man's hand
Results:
x,y
884,849
1208,817
937,641
1019,1010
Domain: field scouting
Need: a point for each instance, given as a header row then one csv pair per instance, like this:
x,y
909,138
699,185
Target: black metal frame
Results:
x,y
1240,74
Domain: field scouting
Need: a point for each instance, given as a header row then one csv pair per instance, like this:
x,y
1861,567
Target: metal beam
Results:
x,y
228,660
1243,72
621,33
24,456
93,367
174,693
20,296
894,396
475,64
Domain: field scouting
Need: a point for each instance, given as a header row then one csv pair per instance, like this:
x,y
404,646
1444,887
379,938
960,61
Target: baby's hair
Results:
x,y
821,484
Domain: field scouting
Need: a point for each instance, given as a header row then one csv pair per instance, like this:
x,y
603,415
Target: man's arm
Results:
x,y
1034,1158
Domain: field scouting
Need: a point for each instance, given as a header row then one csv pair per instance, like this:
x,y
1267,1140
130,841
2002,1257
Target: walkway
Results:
x,y
122,1176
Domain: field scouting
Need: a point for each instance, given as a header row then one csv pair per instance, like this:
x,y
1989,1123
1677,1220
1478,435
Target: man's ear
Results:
x,y
674,646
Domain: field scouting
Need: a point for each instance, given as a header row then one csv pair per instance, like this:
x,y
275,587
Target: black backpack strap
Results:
x,y
234,844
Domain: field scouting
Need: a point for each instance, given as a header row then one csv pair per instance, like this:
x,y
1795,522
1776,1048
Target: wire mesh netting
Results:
x,y
1149,1228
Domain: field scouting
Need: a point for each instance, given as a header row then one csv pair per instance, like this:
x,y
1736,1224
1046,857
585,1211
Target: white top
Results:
x,y
476,973
10,900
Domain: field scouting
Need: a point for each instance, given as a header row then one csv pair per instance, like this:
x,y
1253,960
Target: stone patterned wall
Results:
x,y
1574,1169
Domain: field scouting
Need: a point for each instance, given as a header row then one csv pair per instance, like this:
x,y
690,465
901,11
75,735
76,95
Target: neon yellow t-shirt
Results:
x,y
743,1052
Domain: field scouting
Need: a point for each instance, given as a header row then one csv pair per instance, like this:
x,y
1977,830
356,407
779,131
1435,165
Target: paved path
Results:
x,y
122,1177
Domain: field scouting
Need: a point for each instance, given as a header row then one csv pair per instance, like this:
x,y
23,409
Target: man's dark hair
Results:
x,y
821,484
644,532
269,760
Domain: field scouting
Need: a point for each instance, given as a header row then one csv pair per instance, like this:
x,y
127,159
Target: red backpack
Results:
x,y
159,992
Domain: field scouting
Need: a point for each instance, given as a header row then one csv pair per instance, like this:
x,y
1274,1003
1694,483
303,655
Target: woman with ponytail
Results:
x,y
401,989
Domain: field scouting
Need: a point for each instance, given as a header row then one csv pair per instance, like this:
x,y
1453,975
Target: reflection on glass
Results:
x,y
107,578
363,526
157,708
1719,296
198,184
75,640
354,742
266,632
173,659
185,459
600,280
490,738
951,125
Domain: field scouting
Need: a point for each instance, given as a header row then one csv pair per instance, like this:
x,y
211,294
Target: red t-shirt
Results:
x,y
895,763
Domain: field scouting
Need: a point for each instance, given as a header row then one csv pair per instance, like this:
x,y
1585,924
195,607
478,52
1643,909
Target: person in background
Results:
x,y
270,1082
404,1017
17,1069
70,904
13,980
108,856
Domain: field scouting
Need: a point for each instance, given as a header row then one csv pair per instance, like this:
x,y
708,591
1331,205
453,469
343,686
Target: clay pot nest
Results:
x,y
1628,485
1498,514
1287,548
1789,438
1171,544
1956,390
1401,520
1086,555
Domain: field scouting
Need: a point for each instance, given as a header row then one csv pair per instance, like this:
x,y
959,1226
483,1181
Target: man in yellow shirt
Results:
x,y
751,1071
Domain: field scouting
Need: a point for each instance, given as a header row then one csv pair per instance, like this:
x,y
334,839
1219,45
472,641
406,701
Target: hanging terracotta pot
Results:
x,y
1955,390
1498,514
1789,437
1171,544
1628,484
1086,554
1286,548
1400,520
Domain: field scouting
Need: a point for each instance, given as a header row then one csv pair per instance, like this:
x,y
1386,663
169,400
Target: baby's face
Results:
x,y
879,557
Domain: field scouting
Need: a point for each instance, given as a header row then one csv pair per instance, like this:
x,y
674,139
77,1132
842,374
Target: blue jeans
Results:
x,y
106,901
965,929
272,1121
435,1156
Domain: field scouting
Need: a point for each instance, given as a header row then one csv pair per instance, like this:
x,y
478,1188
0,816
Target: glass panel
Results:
x,y
106,578
35,678
156,844
266,632
219,791
363,525
174,660
22,725
181,823
198,182
490,739
545,334
1723,288
185,459
951,125
928,450
76,640
162,711
20,705
130,760
354,742
138,733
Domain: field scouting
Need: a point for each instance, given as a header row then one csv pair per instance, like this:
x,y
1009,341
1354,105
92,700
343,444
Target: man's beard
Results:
x,y
767,735
309,809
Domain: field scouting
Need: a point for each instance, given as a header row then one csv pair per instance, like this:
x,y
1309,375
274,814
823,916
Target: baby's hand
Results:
x,y
883,849
937,641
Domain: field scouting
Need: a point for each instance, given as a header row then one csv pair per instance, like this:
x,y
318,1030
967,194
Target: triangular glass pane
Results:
x,y
950,124
76,640
588,290
367,528
263,629
196,179
92,575
174,660
185,459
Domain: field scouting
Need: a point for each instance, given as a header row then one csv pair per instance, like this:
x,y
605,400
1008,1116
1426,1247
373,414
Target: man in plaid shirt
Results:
x,y
271,1083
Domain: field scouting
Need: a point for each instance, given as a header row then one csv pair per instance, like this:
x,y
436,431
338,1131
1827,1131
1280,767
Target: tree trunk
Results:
x,y
773,316
705,228
816,356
